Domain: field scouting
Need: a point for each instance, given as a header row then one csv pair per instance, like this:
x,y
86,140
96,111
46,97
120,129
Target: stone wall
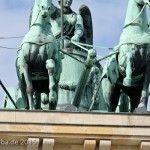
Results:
x,y
45,130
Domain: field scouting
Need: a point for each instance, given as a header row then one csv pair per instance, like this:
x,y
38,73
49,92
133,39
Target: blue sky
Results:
x,y
17,4
107,15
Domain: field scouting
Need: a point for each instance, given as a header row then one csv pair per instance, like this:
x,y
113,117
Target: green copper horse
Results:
x,y
129,70
38,63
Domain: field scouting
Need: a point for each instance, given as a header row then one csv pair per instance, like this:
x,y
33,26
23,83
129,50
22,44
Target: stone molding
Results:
x,y
73,131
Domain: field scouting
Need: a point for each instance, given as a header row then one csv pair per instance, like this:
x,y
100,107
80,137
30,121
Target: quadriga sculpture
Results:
x,y
129,71
38,63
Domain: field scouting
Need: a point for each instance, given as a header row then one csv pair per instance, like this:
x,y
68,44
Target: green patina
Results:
x,y
129,70
53,76
39,63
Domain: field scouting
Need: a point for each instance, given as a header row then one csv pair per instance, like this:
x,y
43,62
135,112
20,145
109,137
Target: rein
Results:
x,y
36,18
79,45
88,45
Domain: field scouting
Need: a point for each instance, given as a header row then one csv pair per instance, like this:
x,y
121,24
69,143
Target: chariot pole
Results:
x,y
8,94
62,25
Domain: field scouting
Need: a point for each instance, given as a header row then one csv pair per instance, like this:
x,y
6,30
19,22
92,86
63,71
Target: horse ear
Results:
x,y
37,2
30,19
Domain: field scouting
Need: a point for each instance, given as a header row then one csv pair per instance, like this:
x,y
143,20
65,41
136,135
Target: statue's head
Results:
x,y
44,6
66,3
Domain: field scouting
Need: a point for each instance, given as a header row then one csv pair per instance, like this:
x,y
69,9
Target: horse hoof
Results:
x,y
127,82
44,99
52,97
52,106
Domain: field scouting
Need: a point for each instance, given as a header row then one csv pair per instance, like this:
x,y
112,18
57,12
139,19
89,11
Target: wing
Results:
x,y
88,27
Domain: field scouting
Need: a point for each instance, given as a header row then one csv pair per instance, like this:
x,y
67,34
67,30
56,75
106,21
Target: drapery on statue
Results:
x,y
129,70
38,62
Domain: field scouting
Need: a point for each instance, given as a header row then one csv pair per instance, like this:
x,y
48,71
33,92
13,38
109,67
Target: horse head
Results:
x,y
147,2
44,6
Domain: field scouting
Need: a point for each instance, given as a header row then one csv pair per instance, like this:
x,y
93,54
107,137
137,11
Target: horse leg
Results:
x,y
124,103
37,102
29,88
145,90
111,94
25,70
21,87
50,66
134,94
127,80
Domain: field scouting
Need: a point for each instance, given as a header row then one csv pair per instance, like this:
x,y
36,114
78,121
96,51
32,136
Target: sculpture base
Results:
x,y
45,130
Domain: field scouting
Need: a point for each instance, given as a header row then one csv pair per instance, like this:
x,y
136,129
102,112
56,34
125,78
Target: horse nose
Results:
x,y
45,13
44,10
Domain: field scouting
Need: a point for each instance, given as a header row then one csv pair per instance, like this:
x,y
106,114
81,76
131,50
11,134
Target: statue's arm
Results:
x,y
79,28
